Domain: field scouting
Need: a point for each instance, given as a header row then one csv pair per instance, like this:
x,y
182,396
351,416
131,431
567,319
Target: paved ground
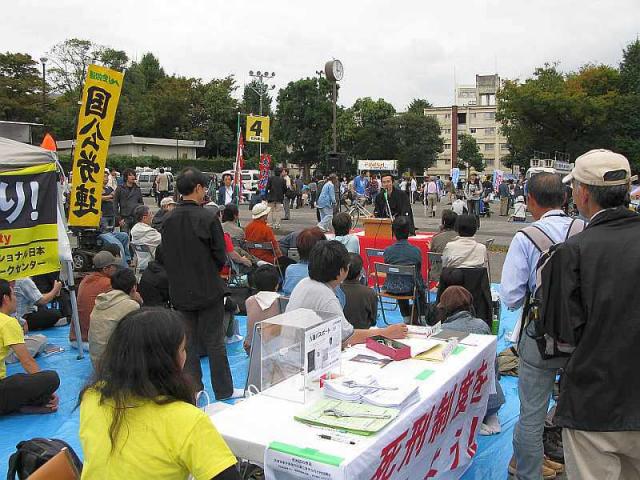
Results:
x,y
495,227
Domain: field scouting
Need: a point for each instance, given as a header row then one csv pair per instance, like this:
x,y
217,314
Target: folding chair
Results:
x,y
488,244
405,270
373,253
282,303
143,254
433,275
266,246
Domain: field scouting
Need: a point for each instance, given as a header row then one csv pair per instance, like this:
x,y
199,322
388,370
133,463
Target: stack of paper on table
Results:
x,y
316,415
394,395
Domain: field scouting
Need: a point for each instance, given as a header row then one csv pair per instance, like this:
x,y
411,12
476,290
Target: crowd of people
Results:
x,y
159,300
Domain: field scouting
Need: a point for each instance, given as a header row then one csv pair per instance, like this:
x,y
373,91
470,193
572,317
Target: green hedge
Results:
x,y
120,162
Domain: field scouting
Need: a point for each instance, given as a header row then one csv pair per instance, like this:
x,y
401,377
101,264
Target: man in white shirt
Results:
x,y
414,189
143,233
465,251
431,196
328,267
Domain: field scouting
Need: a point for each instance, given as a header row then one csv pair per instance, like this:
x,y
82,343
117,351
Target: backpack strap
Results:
x,y
575,227
538,237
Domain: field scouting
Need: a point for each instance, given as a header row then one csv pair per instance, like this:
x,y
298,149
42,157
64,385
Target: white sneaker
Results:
x,y
237,393
491,425
233,339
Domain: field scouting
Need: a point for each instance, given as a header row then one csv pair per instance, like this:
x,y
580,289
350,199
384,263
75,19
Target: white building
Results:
x,y
166,148
474,114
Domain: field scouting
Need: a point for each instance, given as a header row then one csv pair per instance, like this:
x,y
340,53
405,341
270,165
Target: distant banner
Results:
x,y
257,129
28,222
95,121
455,175
388,165
265,164
498,178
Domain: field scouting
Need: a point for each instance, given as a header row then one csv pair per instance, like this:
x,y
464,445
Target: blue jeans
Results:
x,y
120,239
535,386
326,216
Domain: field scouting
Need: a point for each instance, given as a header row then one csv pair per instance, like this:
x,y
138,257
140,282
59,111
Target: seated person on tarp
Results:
x,y
138,417
46,282
328,267
32,304
30,392
245,261
264,304
403,253
154,283
456,308
305,240
342,224
447,232
167,204
143,233
110,308
90,287
361,308
258,231
465,251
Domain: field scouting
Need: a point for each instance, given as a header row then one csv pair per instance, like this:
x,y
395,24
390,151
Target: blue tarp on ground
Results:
x,y
490,463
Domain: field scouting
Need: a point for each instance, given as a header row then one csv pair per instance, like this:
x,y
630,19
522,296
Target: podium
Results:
x,y
377,227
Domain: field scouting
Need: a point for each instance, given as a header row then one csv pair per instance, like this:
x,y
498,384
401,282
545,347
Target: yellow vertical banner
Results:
x,y
95,120
257,129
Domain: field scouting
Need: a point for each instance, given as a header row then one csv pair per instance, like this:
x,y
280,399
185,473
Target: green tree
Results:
x,y
374,137
418,105
69,61
469,153
630,68
251,99
114,59
303,116
20,88
418,139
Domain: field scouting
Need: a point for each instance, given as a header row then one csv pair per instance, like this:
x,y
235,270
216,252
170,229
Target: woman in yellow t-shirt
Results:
x,y
138,418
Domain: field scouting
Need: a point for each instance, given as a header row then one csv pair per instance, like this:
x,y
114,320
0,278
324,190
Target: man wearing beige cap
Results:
x,y
591,304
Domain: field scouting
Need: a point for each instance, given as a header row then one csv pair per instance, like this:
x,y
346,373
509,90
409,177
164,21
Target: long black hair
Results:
x,y
141,362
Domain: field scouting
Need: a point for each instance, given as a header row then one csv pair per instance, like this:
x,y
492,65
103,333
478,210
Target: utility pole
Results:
x,y
261,89
44,60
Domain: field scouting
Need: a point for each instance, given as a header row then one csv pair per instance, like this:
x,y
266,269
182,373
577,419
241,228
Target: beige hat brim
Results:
x,y
568,178
266,212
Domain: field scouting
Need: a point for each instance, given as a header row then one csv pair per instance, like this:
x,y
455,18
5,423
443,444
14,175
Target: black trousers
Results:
x,y
206,327
42,318
23,389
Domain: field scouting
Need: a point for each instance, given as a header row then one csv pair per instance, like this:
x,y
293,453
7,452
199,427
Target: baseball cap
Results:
x,y
597,166
104,259
166,201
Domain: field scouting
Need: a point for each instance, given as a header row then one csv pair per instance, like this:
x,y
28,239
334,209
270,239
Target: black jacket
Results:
x,y
154,285
276,187
592,304
126,199
399,204
193,254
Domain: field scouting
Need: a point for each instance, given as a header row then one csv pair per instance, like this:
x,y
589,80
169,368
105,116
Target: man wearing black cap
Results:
x,y
592,306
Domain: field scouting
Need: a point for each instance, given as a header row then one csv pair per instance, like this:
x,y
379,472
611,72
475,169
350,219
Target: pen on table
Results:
x,y
336,439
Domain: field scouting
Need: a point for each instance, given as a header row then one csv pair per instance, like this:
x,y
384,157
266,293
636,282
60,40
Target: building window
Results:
x,y
431,115
144,148
472,130
489,115
447,116
489,147
504,147
490,131
473,116
447,160
447,146
462,118
489,162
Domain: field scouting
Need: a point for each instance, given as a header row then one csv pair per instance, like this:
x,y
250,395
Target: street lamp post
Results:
x,y
177,131
261,89
44,60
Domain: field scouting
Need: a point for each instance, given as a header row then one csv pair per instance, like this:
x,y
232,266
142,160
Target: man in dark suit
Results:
x,y
392,202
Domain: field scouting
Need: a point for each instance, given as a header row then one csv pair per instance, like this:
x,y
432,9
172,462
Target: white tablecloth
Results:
x,y
433,438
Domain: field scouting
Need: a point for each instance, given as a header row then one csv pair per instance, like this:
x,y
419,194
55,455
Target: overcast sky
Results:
x,y
397,50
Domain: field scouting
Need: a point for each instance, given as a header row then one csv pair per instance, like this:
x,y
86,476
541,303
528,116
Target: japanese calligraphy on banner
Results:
x,y
257,129
95,121
432,439
28,222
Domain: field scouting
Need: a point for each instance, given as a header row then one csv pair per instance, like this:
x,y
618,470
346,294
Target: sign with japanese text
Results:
x,y
28,222
257,129
387,165
95,121
434,438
